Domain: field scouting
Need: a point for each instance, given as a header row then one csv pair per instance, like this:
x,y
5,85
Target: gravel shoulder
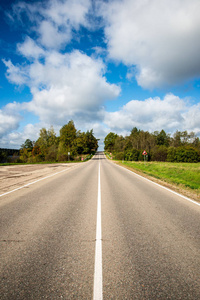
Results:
x,y
12,177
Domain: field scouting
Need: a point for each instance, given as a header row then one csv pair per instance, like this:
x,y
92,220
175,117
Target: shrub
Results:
x,y
191,154
132,155
119,156
159,153
183,154
52,153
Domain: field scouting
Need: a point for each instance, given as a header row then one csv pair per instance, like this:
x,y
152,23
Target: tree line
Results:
x,y
6,154
71,144
160,146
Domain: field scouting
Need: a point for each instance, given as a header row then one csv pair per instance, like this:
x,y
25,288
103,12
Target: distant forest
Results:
x,y
71,144
8,154
160,146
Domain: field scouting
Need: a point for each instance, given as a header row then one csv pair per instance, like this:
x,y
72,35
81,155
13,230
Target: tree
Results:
x,y
196,143
91,142
160,146
86,143
132,155
109,141
68,136
51,148
28,144
36,152
80,142
52,139
147,141
46,140
26,150
42,142
52,153
25,155
162,139
176,140
67,142
183,154
159,153
3,156
134,138
119,145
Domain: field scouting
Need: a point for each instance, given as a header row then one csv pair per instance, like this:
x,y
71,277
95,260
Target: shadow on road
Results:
x,y
99,155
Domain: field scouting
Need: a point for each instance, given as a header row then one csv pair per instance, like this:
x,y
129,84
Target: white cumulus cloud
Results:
x,y
15,74
15,138
9,118
54,21
75,87
30,49
160,38
65,86
170,113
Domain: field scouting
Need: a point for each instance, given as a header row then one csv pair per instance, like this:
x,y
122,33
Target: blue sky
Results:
x,y
108,65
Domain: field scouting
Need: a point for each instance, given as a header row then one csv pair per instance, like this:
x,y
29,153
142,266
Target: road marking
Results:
x,y
30,183
97,292
163,187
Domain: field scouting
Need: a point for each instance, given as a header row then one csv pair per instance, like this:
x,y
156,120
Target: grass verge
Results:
x,y
181,177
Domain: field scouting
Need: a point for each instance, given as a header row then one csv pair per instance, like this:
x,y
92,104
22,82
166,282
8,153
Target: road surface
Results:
x,y
98,231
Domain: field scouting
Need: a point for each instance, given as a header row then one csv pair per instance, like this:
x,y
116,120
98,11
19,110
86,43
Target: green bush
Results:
x,y
132,155
159,153
183,154
171,154
119,156
52,153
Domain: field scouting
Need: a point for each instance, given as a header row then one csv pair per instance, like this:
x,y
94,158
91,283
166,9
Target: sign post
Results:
x,y
145,155
68,155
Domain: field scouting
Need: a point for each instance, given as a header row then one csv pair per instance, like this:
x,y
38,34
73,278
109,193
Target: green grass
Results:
x,y
186,175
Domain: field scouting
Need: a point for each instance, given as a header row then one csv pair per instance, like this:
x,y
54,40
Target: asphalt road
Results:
x,y
150,238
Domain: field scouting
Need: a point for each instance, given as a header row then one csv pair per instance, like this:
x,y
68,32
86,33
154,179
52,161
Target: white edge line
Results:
x,y
30,183
97,291
180,195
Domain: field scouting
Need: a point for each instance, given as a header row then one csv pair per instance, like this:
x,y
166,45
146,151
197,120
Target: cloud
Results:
x,y
53,22
68,12
64,86
159,38
191,118
170,113
15,138
30,49
9,118
15,74
158,42
75,87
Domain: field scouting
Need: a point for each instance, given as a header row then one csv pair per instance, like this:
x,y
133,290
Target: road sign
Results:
x,y
144,153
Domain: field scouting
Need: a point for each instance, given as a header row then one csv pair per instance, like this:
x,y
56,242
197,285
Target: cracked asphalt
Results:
x,y
150,237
